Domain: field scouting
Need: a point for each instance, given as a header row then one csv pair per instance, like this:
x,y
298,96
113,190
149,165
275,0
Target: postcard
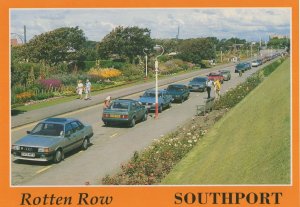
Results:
x,y
150,103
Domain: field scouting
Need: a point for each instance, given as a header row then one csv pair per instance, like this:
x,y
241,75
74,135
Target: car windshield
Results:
x,y
151,94
119,105
199,80
48,129
175,88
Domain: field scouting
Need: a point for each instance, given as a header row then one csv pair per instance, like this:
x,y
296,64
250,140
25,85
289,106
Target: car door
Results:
x,y
69,138
77,135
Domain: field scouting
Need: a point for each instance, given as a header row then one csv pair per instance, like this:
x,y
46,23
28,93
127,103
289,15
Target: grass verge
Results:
x,y
250,145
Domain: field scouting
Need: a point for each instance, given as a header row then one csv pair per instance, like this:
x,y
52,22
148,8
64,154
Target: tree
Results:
x,y
63,44
196,50
279,43
125,43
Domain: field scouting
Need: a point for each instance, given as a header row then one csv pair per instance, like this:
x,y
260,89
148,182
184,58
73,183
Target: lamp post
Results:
x,y
157,48
146,56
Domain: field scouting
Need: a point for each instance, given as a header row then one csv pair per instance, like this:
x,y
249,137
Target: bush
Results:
x,y
50,83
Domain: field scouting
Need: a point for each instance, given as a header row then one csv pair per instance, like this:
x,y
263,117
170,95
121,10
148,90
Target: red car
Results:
x,y
216,76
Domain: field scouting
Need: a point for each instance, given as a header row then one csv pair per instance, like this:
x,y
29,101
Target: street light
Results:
x,y
146,49
157,48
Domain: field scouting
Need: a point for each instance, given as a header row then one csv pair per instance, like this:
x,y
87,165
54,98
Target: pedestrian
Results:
x,y
217,85
209,85
106,102
79,89
88,87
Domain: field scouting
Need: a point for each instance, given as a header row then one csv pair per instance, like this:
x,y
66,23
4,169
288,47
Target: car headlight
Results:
x,y
43,149
15,147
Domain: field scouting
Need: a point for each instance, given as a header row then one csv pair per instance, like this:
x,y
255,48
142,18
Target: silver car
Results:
x,y
51,139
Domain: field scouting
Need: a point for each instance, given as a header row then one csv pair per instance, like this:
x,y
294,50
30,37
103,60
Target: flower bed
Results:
x,y
155,162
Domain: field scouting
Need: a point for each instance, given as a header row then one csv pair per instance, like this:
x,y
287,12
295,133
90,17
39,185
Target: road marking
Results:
x,y
44,169
115,134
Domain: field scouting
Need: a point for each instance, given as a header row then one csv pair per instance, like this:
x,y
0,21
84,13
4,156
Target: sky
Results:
x,y
251,24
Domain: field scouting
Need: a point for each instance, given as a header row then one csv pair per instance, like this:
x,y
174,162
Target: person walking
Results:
x,y
79,89
88,87
106,102
217,85
209,85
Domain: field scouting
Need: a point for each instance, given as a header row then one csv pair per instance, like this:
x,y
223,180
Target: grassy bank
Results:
x,y
250,145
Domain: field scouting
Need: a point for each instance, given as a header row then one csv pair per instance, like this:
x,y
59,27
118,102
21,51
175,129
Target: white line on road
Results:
x,y
42,170
115,134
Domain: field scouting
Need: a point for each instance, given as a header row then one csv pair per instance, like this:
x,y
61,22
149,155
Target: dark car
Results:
x,y
240,67
226,74
198,84
179,92
148,100
51,139
125,111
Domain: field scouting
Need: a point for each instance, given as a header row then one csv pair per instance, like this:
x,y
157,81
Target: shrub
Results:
x,y
106,73
50,83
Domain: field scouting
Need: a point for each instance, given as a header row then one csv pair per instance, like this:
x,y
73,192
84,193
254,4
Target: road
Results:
x,y
110,146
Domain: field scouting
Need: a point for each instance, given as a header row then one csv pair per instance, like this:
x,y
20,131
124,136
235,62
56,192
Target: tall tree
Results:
x,y
125,42
196,50
63,44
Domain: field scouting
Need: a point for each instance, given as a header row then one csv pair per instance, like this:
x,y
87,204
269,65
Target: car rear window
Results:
x,y
119,105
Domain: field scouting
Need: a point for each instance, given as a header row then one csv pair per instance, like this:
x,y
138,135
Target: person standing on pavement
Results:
x,y
80,89
217,85
106,103
88,87
209,85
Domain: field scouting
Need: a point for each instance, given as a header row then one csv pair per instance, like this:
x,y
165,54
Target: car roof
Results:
x,y
181,85
59,120
124,100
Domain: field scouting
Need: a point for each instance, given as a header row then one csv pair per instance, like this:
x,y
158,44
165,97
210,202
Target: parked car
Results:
x,y
198,84
179,92
51,139
248,65
125,111
256,63
240,67
226,74
148,100
216,76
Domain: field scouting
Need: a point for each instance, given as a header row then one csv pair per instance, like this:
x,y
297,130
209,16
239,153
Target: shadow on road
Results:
x,y
15,112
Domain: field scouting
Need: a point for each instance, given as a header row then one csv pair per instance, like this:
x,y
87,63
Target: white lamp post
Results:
x,y
146,56
157,48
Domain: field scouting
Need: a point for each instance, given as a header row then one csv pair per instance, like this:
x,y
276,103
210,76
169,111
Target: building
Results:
x,y
278,36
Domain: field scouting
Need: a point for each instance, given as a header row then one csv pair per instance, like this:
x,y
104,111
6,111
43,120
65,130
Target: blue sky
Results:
x,y
245,23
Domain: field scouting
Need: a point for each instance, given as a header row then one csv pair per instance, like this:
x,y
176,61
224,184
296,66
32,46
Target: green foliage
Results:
x,y
276,43
127,42
63,44
196,50
270,68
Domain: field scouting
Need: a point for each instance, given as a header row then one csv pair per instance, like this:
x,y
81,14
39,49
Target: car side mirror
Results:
x,y
61,133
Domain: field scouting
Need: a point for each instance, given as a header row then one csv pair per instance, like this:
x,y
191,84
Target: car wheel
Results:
x,y
85,144
160,109
132,123
58,156
145,117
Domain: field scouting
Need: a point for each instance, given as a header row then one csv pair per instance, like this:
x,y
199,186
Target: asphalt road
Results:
x,y
110,146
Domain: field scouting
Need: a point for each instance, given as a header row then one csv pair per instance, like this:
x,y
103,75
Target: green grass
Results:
x,y
249,145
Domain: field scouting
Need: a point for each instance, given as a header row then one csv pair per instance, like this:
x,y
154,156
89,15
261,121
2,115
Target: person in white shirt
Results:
x,y
209,85
80,89
88,87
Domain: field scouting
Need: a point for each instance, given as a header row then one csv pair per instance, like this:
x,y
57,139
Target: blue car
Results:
x,y
148,100
179,92
198,84
125,111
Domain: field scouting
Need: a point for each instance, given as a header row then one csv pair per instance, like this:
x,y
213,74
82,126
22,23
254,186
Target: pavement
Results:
x,y
62,108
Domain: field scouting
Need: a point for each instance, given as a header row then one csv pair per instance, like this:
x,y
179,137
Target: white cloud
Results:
x,y
247,23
